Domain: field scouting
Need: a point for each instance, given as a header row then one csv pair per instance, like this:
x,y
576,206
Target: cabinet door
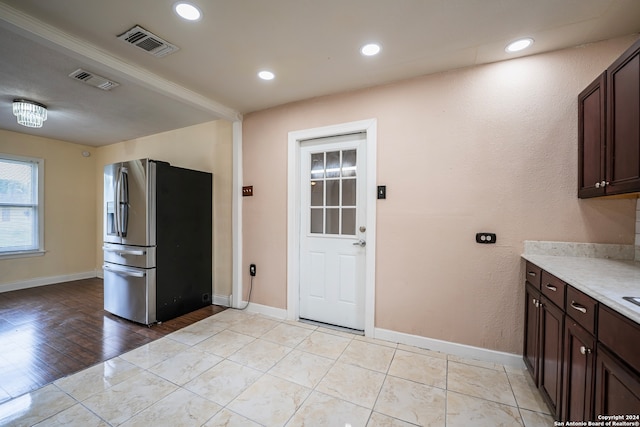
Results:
x,y
531,324
617,386
550,375
577,384
623,133
591,138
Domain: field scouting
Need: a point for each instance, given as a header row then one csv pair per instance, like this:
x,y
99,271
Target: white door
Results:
x,y
333,230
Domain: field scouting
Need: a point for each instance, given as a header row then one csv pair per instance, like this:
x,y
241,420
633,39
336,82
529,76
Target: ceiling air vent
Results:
x,y
93,79
148,41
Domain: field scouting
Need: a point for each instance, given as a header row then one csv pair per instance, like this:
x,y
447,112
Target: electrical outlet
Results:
x,y
486,238
252,270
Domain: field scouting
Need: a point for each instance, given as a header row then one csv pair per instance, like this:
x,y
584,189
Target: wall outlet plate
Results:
x,y
486,238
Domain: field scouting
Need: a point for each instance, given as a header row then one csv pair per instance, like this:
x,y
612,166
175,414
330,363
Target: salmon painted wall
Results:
x,y
206,147
488,148
69,213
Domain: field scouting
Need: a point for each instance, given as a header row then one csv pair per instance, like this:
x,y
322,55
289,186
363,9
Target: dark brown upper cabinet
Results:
x,y
623,118
609,130
591,138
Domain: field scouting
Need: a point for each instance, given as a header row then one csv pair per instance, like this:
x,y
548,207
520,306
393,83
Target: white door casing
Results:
x,y
295,219
333,230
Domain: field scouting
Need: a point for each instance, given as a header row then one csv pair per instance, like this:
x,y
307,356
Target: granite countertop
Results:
x,y
606,280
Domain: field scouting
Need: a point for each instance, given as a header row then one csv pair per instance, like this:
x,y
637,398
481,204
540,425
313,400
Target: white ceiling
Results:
x,y
311,45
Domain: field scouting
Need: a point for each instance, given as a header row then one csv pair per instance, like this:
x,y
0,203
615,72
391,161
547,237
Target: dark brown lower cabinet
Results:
x,y
550,375
579,365
617,386
583,356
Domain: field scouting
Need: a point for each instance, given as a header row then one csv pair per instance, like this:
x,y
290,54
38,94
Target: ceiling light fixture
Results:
x,y
187,11
518,45
29,113
266,75
370,49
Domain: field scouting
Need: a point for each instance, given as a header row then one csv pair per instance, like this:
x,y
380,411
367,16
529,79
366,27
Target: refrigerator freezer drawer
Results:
x,y
134,256
130,292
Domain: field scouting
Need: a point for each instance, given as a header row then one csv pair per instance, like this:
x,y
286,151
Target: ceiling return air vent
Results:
x,y
93,79
148,41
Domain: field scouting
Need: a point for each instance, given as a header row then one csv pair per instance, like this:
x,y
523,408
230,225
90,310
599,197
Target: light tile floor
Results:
x,y
242,369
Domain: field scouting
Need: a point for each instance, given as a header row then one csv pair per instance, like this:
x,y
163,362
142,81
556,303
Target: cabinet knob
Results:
x,y
597,185
603,183
585,350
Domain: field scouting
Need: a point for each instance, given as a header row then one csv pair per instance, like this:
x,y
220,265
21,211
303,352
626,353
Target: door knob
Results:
x,y
360,243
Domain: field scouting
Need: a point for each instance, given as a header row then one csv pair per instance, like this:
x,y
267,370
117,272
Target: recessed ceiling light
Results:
x,y
266,75
187,11
370,49
519,45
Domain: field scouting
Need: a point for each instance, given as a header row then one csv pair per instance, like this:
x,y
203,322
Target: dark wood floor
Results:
x,y
52,331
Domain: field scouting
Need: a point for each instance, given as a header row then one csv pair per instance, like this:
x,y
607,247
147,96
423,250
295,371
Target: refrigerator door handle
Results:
x,y
124,251
124,201
124,272
117,200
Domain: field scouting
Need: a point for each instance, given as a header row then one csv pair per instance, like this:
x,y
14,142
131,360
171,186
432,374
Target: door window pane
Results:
x,y
333,164
349,163
317,221
333,221
317,193
317,165
333,193
348,192
349,221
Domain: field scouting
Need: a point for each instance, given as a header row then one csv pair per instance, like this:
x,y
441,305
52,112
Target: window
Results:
x,y
21,206
333,193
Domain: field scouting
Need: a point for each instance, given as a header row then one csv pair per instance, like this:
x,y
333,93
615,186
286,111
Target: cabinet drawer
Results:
x,y
533,274
620,335
553,288
582,308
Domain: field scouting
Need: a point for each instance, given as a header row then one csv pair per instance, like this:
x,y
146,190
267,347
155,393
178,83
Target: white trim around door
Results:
x,y
236,207
293,213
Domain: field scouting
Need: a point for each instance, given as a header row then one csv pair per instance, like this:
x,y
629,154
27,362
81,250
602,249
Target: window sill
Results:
x,y
21,254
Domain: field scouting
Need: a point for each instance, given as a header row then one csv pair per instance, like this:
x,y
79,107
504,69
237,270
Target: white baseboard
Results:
x,y
461,350
223,300
42,281
276,313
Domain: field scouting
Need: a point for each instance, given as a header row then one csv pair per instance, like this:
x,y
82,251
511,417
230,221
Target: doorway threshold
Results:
x,y
334,327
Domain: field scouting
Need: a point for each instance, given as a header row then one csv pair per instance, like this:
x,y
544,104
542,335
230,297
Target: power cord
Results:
x,y
248,299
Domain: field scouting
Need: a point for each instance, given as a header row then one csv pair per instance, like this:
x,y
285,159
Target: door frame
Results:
x,y
294,187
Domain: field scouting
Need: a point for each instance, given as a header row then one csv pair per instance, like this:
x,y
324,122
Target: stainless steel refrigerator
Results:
x,y
157,240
